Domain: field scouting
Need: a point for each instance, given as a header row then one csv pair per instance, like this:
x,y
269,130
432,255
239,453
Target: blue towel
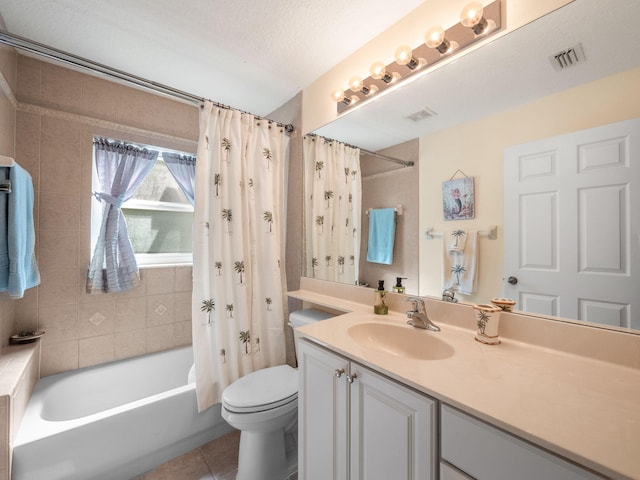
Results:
x,y
18,268
382,231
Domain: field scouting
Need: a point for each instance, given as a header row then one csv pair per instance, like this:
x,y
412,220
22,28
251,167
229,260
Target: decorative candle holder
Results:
x,y
505,304
488,321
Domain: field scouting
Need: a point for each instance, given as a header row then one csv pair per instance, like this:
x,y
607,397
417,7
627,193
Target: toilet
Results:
x,y
263,405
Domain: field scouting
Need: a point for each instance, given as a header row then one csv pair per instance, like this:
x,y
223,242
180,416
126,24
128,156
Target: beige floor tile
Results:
x,y
222,455
190,466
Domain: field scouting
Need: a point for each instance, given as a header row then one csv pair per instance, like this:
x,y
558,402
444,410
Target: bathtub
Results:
x,y
113,421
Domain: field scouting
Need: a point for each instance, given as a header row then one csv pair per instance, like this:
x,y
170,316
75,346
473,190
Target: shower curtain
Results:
x,y
333,204
238,303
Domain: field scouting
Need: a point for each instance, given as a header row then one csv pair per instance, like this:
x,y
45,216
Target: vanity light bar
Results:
x,y
421,58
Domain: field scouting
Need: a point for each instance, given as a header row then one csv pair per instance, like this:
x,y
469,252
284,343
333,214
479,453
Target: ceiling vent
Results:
x,y
421,114
567,58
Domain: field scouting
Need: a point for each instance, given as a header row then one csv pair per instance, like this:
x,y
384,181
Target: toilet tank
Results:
x,y
300,318
303,317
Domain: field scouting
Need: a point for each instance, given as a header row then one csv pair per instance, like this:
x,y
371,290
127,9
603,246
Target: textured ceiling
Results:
x,y
256,54
250,54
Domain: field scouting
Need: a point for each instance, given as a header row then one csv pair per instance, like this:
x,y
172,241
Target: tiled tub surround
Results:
x,y
115,420
57,113
570,389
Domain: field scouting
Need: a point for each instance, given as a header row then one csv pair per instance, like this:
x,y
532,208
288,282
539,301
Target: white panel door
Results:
x,y
323,414
393,430
571,238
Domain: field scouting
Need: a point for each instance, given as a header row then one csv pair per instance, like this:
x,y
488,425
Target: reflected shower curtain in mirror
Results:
x,y
333,204
120,167
238,303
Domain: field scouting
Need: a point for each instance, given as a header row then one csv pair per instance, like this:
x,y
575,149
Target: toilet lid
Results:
x,y
262,390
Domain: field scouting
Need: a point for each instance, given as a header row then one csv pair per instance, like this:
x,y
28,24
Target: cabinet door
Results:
x,y
393,430
323,409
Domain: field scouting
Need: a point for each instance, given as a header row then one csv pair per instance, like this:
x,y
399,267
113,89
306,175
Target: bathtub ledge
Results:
x,y
19,372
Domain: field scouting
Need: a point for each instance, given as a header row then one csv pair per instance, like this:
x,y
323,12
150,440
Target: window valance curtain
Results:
x,y
183,169
120,167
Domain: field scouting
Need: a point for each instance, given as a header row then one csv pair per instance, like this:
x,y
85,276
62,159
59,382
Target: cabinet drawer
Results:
x,y
487,453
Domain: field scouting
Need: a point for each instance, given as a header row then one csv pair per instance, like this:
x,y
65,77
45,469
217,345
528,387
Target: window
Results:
x,y
159,218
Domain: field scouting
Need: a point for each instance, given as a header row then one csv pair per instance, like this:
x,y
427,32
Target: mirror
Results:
x,y
512,73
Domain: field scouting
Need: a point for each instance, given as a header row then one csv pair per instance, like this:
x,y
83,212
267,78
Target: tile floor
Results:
x,y
216,460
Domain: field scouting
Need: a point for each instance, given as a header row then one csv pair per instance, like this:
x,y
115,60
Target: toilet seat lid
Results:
x,y
262,390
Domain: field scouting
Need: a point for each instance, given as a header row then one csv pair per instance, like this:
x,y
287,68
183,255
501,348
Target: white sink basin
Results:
x,y
400,340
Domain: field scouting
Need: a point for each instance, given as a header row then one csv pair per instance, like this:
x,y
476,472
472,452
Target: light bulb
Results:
x,y
472,17
434,37
403,55
338,96
471,14
355,84
377,70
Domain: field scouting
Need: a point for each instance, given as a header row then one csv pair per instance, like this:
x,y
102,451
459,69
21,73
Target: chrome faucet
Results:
x,y
418,317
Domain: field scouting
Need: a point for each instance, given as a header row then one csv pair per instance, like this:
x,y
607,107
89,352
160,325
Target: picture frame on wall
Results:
x,y
458,199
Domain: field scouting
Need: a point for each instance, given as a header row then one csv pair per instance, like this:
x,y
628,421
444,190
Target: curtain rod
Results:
x,y
51,53
381,156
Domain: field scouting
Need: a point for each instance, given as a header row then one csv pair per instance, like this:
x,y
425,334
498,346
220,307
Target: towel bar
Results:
x,y
398,208
491,234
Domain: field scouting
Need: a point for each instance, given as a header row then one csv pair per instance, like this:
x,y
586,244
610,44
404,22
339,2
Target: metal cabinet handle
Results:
x,y
339,372
352,378
512,280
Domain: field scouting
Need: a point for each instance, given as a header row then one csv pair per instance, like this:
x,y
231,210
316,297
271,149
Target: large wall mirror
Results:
x,y
505,93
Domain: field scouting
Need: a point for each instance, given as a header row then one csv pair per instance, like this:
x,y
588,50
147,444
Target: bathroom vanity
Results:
x,y
379,399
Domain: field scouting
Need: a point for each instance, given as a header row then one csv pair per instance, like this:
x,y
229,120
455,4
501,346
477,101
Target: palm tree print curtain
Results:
x,y
333,202
238,306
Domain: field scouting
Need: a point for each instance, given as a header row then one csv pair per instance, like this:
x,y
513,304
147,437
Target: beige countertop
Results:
x,y
583,409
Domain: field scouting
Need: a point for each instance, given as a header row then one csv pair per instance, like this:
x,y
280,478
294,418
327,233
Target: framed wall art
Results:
x,y
458,199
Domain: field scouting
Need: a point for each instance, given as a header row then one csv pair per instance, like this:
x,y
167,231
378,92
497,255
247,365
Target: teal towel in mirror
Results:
x,y
382,231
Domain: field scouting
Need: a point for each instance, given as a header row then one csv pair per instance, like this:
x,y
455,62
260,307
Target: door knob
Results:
x,y
339,372
352,378
512,280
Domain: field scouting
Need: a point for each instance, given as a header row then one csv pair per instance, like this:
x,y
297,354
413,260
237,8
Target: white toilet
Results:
x,y
263,405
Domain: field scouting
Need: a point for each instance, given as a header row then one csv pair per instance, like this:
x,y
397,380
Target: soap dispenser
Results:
x,y
398,287
380,305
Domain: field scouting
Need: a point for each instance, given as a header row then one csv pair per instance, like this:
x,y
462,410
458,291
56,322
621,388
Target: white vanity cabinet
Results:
x,y
357,424
486,453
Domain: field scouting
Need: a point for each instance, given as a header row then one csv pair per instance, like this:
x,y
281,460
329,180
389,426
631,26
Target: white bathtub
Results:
x,y
113,421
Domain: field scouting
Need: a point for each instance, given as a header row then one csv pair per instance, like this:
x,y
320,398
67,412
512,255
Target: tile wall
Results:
x,y
8,65
58,113
7,136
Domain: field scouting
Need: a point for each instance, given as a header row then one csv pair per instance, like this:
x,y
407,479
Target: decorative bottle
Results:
x,y
380,306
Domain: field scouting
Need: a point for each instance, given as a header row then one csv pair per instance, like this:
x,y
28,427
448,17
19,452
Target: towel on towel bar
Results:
x,y
459,269
18,268
382,231
457,240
